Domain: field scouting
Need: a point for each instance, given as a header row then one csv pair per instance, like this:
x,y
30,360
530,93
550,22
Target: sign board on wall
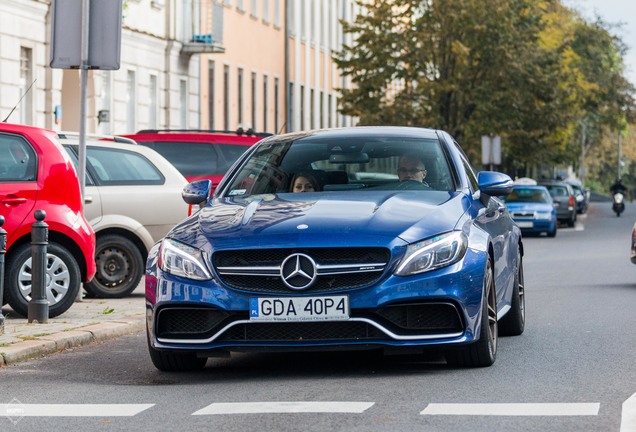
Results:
x,y
104,37
491,150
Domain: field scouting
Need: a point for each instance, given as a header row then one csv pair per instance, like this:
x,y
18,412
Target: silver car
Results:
x,y
132,198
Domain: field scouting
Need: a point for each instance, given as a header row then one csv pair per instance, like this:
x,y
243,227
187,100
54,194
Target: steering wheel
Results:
x,y
412,185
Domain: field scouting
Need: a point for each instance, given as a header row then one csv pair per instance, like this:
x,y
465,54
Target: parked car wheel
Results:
x,y
483,352
63,279
553,232
119,267
176,362
514,322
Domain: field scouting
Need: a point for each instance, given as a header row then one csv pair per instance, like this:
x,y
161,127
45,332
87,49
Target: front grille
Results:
x,y
400,319
337,269
302,332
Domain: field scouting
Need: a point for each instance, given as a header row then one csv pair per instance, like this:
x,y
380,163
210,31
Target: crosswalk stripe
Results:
x,y
513,409
71,410
284,407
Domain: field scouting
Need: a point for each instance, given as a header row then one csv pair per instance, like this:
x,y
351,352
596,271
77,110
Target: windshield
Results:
x,y
528,195
327,164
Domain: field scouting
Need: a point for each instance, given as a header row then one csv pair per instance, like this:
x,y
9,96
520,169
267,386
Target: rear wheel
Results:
x,y
175,362
119,267
514,322
62,279
483,352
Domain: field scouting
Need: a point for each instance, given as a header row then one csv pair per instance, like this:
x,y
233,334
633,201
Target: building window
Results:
x,y
277,13
226,97
266,17
253,89
211,93
265,104
131,102
183,96
240,96
302,107
254,8
26,78
276,107
153,106
311,109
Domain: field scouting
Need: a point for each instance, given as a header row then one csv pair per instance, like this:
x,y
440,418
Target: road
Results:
x,y
573,369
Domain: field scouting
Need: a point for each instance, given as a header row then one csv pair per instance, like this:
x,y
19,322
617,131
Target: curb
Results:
x,y
49,344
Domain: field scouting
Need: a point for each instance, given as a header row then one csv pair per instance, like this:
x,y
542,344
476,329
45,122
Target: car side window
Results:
x,y
121,167
17,159
470,173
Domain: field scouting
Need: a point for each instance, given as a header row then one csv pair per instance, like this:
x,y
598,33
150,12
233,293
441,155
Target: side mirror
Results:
x,y
494,183
197,192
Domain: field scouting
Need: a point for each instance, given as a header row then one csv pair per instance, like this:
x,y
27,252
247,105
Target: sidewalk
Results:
x,y
87,321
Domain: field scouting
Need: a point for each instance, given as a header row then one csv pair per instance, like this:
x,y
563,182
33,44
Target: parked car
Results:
x,y
132,198
37,174
564,200
532,209
199,154
368,262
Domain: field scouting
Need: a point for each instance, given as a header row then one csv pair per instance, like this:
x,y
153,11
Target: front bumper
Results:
x,y
441,307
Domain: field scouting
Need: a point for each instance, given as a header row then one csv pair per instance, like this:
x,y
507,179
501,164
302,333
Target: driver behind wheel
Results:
x,y
411,167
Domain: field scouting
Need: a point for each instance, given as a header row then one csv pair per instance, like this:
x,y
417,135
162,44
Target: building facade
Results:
x,y
185,64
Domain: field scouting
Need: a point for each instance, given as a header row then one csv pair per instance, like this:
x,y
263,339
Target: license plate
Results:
x,y
332,308
525,224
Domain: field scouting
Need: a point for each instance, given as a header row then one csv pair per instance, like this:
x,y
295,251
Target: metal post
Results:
x,y
39,305
3,246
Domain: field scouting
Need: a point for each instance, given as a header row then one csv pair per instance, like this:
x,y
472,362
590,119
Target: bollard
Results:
x,y
3,247
39,305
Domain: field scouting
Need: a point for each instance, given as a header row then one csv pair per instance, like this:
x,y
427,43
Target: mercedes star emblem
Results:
x,y
298,271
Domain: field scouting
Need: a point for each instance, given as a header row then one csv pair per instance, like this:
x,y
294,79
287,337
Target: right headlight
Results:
x,y
436,252
183,260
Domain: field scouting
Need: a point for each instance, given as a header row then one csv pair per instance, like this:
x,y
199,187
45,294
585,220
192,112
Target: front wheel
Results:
x,y
483,352
119,268
62,274
174,361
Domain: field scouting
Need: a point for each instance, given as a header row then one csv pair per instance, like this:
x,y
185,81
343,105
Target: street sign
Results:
x,y
104,34
491,150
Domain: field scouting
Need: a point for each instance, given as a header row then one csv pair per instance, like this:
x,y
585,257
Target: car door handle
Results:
x,y
13,201
88,199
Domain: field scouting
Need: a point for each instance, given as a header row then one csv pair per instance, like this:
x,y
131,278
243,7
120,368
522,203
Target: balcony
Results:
x,y
207,32
202,44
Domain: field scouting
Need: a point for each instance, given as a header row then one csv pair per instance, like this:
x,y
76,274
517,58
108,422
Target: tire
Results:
x,y
572,220
514,322
62,275
553,232
483,352
120,267
175,362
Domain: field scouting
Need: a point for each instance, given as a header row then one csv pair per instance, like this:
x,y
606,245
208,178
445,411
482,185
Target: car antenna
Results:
x,y
16,105
282,128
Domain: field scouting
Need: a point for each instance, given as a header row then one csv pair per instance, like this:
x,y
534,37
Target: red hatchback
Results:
x,y
36,173
199,154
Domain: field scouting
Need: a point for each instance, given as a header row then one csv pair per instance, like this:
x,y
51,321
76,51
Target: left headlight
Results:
x,y
183,260
436,252
543,215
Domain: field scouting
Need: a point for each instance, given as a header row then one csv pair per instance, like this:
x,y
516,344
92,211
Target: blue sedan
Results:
x,y
533,210
365,238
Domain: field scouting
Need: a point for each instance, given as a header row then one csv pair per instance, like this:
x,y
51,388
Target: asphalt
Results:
x,y
86,321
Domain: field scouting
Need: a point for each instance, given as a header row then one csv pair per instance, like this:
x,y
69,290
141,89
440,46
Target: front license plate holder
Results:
x,y
299,309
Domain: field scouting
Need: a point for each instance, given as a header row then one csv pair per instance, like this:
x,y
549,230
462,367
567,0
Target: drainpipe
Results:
x,y
287,96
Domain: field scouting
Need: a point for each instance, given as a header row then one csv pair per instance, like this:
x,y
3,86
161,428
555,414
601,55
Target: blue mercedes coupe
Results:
x,y
368,238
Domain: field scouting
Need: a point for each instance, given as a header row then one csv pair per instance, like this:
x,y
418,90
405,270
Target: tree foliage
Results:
x,y
531,71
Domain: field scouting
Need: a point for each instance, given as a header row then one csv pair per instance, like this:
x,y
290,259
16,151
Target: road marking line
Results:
x,y
72,410
513,409
628,416
284,407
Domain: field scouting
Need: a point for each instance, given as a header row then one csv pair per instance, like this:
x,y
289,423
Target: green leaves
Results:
x,y
528,70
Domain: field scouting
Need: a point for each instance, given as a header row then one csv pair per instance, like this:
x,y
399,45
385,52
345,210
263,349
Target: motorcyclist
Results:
x,y
618,186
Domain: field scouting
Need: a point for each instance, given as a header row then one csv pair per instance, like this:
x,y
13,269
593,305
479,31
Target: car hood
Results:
x,y
322,219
